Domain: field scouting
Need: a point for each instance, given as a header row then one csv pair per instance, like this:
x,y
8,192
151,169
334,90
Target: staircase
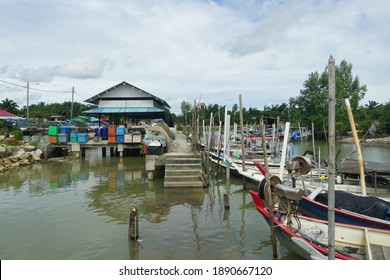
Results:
x,y
183,170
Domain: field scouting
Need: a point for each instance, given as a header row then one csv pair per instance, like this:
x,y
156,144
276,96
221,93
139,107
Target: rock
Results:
x,y
10,141
24,162
21,154
29,148
3,151
13,159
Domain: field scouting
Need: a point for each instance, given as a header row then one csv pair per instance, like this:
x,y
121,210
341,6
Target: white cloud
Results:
x,y
83,68
263,50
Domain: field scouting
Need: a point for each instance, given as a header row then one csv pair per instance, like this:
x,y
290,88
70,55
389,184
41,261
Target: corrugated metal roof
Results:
x,y
122,110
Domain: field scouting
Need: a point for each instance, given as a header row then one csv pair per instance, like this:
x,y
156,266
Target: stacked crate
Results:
x,y
129,138
64,135
82,137
112,134
53,134
104,133
120,134
137,137
74,137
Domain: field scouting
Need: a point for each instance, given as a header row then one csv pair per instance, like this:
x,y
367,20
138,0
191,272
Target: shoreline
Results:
x,y
369,141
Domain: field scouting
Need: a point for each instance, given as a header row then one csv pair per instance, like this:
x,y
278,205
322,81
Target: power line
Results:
x,y
37,89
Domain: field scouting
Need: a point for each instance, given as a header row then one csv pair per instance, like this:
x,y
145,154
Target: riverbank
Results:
x,y
372,141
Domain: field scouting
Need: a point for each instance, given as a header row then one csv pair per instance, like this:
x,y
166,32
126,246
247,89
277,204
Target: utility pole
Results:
x,y
71,105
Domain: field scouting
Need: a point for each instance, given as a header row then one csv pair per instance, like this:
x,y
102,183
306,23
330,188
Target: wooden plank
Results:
x,y
314,193
367,245
380,252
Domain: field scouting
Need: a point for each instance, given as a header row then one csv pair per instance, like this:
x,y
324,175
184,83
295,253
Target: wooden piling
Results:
x,y
226,201
133,224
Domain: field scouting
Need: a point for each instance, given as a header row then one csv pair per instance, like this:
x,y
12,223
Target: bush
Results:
x,y
17,134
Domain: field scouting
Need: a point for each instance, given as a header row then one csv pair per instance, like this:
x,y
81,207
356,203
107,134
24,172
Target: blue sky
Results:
x,y
181,50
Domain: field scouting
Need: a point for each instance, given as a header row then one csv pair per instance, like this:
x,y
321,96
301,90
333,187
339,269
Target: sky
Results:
x,y
212,51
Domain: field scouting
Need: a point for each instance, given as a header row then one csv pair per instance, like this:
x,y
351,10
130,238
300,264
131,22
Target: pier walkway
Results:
x,y
183,167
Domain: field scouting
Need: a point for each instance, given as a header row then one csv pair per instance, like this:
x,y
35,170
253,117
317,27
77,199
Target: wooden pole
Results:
x,y
331,156
209,150
133,224
268,190
314,147
284,150
227,151
242,143
357,144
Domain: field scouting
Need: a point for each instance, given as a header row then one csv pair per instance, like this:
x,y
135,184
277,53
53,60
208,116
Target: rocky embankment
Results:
x,y
15,153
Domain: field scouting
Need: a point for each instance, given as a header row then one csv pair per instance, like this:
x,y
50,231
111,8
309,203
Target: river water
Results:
x,y
79,210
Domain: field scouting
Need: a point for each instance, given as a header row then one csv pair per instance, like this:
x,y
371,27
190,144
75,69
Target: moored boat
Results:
x,y
307,236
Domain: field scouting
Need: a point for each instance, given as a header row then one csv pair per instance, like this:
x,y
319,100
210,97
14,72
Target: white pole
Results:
x,y
284,149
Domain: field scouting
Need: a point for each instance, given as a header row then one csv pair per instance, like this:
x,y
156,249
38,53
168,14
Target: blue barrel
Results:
x,y
104,133
96,131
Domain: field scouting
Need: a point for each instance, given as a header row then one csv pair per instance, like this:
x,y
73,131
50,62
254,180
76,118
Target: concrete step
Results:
x,y
190,178
182,172
183,184
182,161
177,166
174,155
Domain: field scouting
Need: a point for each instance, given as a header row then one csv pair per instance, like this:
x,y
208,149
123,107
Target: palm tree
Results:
x,y
9,106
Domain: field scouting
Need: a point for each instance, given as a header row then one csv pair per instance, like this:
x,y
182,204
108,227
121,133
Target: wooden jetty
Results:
x,y
183,167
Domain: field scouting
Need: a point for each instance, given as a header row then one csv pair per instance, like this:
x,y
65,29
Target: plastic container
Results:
x,y
53,130
104,133
82,137
63,138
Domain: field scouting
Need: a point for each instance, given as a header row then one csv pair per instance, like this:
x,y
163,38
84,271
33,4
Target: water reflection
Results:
x,y
79,209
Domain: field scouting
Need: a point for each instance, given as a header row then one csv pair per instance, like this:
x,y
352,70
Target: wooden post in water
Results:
x,y
226,201
209,150
242,142
331,156
268,190
226,143
133,224
314,147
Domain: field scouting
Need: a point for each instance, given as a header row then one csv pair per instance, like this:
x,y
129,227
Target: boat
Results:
x,y
307,236
367,211
375,172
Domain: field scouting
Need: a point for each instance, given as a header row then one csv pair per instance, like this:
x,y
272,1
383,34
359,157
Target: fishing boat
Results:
x,y
353,209
367,211
307,237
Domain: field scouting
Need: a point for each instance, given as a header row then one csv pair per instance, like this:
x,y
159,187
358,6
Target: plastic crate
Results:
x,y
111,139
73,137
82,137
53,139
137,138
129,138
64,130
120,138
120,130
111,130
53,130
63,138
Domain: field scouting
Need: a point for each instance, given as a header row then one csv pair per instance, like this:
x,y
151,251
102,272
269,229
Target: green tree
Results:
x,y
186,108
313,99
9,106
